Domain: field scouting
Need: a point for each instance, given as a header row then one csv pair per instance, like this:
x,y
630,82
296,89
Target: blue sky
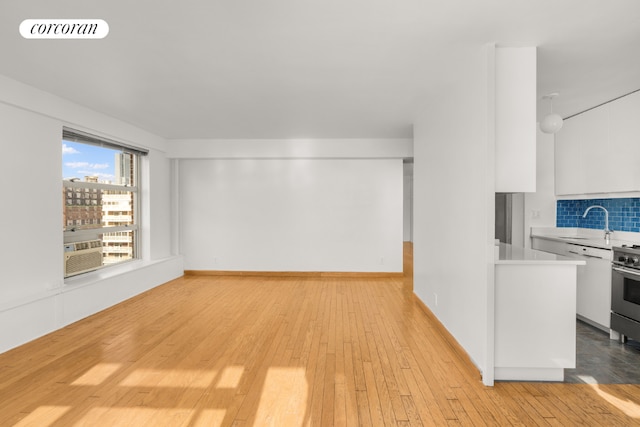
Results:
x,y
80,160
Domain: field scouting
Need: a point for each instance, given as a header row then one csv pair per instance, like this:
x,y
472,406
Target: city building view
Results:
x,y
98,207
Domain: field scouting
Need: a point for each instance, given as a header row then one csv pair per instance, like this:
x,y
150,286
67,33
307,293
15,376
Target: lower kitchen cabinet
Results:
x,y
593,303
594,285
535,321
551,246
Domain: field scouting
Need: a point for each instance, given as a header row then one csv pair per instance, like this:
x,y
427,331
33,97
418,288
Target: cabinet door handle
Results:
x,y
585,255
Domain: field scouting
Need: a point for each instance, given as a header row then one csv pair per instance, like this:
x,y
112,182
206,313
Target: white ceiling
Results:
x,y
311,68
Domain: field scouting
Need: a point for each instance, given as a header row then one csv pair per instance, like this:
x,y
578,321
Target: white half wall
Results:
x,y
292,214
454,208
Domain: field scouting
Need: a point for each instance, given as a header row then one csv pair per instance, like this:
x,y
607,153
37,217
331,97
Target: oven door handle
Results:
x,y
625,271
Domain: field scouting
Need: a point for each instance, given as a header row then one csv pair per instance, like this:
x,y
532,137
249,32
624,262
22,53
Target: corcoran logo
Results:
x,y
64,29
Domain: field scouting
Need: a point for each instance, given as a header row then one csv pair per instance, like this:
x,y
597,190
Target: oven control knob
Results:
x,y
634,260
622,258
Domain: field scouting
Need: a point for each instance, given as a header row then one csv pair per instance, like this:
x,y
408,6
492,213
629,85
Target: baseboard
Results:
x,y
592,323
310,274
462,354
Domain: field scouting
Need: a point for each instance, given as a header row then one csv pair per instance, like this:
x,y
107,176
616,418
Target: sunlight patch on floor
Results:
x,y
43,416
136,416
192,378
284,398
631,409
97,374
230,377
588,379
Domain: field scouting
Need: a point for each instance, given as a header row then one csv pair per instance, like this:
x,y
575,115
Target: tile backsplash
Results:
x,y
624,214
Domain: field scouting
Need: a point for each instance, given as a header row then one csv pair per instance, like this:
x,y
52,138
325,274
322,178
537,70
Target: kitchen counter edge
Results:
x,y
516,255
585,237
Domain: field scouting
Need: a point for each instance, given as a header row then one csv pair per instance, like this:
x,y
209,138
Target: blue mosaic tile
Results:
x,y
624,214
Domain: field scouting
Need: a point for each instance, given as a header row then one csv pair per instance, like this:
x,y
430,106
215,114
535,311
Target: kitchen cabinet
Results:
x,y
586,145
535,315
551,246
580,148
624,142
593,303
515,119
593,290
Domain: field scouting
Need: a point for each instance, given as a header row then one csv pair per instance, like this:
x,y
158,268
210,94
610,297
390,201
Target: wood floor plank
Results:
x,y
351,403
387,376
413,418
375,405
329,390
358,370
425,402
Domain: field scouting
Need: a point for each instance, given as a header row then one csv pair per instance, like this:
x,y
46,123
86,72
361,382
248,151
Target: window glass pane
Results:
x,y
117,247
106,202
90,163
117,208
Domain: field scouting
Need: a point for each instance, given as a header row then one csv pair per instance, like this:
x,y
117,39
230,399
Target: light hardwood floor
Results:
x,y
250,351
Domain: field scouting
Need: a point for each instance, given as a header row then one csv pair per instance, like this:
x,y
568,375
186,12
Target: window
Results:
x,y
100,209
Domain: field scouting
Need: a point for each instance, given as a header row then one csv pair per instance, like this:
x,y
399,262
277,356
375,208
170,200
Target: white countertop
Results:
x,y
509,254
586,236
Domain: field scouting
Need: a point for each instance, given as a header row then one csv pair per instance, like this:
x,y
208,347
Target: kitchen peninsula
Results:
x,y
535,314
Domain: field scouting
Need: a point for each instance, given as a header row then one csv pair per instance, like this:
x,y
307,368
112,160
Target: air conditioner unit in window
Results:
x,y
81,257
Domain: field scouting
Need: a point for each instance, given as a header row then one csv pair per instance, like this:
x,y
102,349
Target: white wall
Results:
x,y
540,207
34,298
454,206
32,157
157,210
292,214
408,202
517,220
290,148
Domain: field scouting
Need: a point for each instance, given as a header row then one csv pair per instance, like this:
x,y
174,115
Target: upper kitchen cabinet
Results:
x,y
584,147
515,119
624,143
578,144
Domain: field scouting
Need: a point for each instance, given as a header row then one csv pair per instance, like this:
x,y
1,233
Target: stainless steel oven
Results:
x,y
625,292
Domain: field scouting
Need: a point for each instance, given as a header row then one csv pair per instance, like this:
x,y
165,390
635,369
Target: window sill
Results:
x,y
87,279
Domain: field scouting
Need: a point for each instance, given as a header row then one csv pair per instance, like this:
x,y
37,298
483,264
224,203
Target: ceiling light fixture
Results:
x,y
552,122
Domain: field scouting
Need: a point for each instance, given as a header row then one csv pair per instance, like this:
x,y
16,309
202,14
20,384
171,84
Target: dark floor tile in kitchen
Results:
x,y
602,360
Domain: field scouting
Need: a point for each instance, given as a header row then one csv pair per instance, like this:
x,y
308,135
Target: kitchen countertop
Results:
x,y
586,236
509,254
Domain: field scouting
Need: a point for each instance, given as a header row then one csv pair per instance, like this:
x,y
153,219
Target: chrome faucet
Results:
x,y
607,232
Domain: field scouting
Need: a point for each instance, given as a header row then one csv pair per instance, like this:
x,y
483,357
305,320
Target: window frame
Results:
x,y
70,232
